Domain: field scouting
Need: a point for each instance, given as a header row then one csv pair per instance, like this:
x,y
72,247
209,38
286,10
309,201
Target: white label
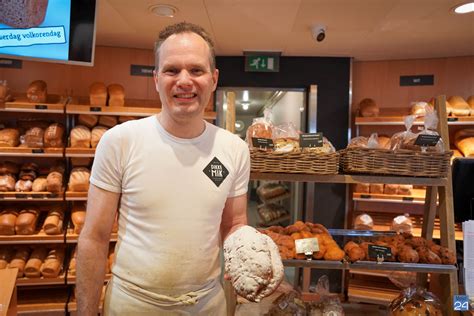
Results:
x,y
307,245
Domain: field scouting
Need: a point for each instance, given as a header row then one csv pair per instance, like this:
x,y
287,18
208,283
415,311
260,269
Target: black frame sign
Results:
x,y
311,140
427,140
380,253
262,143
420,80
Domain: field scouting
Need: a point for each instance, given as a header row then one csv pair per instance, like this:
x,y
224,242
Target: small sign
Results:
x,y
379,252
37,151
262,143
408,198
141,70
365,196
452,119
420,80
41,107
262,62
36,196
427,140
307,246
20,195
11,63
95,109
461,303
311,140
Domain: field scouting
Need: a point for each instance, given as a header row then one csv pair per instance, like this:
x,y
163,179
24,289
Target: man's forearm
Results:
x,y
91,258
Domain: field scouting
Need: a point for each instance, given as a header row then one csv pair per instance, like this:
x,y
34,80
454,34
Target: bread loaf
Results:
x,y
53,224
79,180
23,186
107,120
9,137
7,221
384,142
364,222
37,92
19,260
53,136
405,189
78,216
98,94
5,95
80,137
368,108
8,167
466,146
81,161
391,189
23,14
34,263
53,263
34,137
459,106
116,95
39,185
7,183
362,188
72,263
470,101
376,188
5,257
97,133
419,108
402,224
88,120
54,182
26,221
270,190
123,119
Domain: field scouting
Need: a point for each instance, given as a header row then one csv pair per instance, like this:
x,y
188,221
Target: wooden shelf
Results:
x,y
417,197
345,178
80,152
31,196
76,196
40,238
71,238
368,293
41,301
21,104
31,152
399,120
41,281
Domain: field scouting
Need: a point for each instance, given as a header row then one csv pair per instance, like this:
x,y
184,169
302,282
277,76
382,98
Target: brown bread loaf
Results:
x,y
79,180
470,101
362,188
37,92
53,136
97,133
88,120
53,224
8,167
72,263
376,188
459,106
98,94
34,137
9,137
19,260
81,161
5,257
53,263
23,185
123,119
78,216
80,137
7,221
23,14
116,95
405,189
368,108
7,183
107,120
34,263
54,182
39,185
26,221
391,188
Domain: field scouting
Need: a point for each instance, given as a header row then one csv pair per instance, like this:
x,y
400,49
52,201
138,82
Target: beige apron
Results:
x,y
124,298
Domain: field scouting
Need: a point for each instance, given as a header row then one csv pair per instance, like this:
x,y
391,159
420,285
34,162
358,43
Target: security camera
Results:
x,y
319,32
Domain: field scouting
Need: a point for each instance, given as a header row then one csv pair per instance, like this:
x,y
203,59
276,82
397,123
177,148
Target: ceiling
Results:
x,y
363,29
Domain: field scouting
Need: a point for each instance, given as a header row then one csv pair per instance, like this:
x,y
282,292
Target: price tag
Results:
x,y
452,119
41,107
307,246
36,196
365,196
408,198
95,109
20,195
427,140
52,195
311,140
379,252
262,143
37,151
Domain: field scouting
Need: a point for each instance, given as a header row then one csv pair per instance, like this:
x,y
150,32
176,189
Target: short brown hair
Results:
x,y
184,27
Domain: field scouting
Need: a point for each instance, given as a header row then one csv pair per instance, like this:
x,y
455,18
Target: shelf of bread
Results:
x,y
31,196
76,196
347,178
31,152
399,120
39,238
53,104
80,152
417,196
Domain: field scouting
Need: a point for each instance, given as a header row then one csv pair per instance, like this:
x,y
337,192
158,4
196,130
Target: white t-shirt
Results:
x,y
173,193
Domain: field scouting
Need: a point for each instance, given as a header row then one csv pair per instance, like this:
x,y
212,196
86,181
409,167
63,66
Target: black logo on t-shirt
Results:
x,y
216,171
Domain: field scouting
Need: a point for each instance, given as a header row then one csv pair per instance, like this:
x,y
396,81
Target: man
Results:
x,y
181,183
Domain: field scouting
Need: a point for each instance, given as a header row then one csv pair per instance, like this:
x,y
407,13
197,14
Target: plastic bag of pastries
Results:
x,y
415,301
53,136
430,125
19,259
98,94
420,108
397,139
9,137
53,263
7,221
7,183
96,135
262,127
368,108
402,224
26,221
116,94
364,222
285,138
459,106
79,179
464,141
88,120
80,137
37,92
23,185
6,254
78,215
53,224
35,261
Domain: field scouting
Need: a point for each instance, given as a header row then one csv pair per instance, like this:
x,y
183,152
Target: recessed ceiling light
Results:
x,y
464,8
245,95
245,106
163,10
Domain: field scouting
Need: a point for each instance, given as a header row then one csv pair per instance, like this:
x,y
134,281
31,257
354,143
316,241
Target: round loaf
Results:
x,y
80,137
23,186
368,108
364,222
37,91
7,183
9,137
39,185
107,120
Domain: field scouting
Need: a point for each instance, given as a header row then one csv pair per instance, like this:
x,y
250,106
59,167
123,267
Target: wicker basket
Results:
x,y
302,162
400,162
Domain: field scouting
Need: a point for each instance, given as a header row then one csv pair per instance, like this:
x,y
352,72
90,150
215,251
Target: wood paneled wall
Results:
x,y
380,80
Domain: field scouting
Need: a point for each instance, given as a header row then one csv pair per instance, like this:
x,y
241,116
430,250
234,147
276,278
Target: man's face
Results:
x,y
184,78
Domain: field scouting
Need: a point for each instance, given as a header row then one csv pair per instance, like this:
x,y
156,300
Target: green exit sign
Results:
x,y
262,62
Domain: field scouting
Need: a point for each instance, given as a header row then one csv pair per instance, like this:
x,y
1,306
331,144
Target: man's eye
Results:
x,y
197,71
170,71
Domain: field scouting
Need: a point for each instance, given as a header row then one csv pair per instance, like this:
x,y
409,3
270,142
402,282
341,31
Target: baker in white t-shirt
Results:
x,y
180,184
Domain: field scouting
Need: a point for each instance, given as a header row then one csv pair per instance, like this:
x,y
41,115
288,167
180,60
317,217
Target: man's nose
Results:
x,y
184,78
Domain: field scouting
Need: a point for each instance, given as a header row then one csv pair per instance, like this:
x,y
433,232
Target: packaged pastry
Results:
x,y
37,92
285,138
415,301
9,137
398,138
270,212
23,186
327,148
7,183
402,224
364,222
261,128
430,125
368,108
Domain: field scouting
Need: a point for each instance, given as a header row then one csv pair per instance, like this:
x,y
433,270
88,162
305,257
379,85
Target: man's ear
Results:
x,y
215,78
155,79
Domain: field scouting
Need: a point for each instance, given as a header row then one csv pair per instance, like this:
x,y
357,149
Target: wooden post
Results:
x,y
230,113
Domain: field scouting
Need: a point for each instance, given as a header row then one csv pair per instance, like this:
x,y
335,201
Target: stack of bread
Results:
x,y
285,238
33,134
31,178
380,188
404,248
27,220
82,137
415,301
33,263
102,95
